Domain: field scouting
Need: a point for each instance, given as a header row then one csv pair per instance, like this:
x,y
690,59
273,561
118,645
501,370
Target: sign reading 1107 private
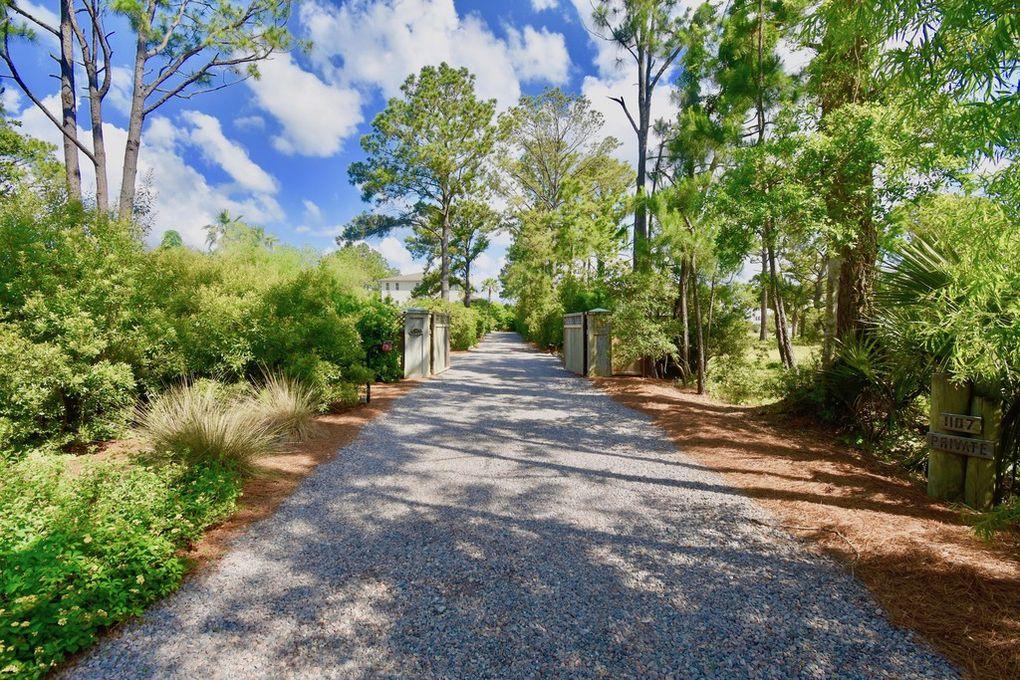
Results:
x,y
954,422
964,446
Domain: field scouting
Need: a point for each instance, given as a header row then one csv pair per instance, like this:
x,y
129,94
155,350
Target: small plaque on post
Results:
x,y
955,422
978,448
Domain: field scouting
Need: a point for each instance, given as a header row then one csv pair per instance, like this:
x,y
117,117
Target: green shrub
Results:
x,y
80,552
191,424
1002,518
742,380
381,327
91,322
46,395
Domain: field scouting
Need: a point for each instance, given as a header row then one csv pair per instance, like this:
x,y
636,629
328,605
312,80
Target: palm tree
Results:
x,y
490,285
215,231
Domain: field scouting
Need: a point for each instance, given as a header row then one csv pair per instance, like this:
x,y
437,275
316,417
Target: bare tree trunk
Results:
x,y
763,328
467,283
134,135
644,114
69,113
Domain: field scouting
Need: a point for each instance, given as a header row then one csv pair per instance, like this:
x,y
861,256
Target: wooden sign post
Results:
x,y
963,439
946,470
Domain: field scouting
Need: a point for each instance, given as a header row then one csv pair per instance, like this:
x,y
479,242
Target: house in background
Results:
x,y
399,289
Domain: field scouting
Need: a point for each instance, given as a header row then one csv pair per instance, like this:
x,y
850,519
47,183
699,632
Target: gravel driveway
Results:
x,y
506,519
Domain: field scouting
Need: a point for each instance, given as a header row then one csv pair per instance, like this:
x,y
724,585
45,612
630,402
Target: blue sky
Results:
x,y
276,151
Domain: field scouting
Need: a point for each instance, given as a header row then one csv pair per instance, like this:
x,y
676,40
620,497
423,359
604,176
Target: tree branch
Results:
x,y
621,102
35,20
6,57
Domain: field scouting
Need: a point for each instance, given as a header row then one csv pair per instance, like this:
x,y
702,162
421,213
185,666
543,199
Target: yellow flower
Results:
x,y
88,539
61,622
140,579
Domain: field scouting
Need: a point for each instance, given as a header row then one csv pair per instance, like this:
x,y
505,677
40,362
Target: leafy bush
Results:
x,y
191,424
641,317
286,406
80,552
737,379
91,321
381,327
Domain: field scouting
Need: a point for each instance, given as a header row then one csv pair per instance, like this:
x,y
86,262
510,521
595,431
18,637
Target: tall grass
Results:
x,y
287,405
193,424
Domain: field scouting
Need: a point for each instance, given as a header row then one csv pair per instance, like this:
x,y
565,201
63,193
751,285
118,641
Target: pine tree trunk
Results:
x,y
763,327
699,328
467,283
136,119
641,253
69,113
444,254
685,341
779,309
831,281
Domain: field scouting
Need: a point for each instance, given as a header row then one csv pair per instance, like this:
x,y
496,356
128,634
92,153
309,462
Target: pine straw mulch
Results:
x,y
918,557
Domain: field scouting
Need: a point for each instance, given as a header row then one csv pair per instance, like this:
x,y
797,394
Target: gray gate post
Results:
x,y
417,342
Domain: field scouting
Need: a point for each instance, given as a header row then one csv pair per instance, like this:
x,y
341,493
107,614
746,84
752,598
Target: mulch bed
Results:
x,y
917,556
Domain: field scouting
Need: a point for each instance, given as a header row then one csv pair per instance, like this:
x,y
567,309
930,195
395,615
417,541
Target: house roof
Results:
x,y
403,278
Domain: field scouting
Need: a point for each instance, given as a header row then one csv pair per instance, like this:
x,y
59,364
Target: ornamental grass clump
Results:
x,y
287,406
191,424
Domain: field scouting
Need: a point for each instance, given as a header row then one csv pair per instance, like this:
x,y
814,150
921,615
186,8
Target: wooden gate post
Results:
x,y
979,483
417,342
599,342
946,471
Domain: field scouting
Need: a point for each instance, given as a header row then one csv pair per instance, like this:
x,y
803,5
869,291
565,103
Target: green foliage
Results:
x,y
81,551
641,319
381,327
90,321
742,379
568,198
428,149
1002,518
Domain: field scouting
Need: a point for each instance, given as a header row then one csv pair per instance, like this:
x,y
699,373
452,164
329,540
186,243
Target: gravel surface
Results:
x,y
506,519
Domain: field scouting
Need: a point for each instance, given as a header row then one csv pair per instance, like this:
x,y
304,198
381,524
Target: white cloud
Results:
x,y
378,44
10,99
539,55
121,83
42,13
184,200
312,210
208,137
397,255
316,117
484,267
250,123
540,5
